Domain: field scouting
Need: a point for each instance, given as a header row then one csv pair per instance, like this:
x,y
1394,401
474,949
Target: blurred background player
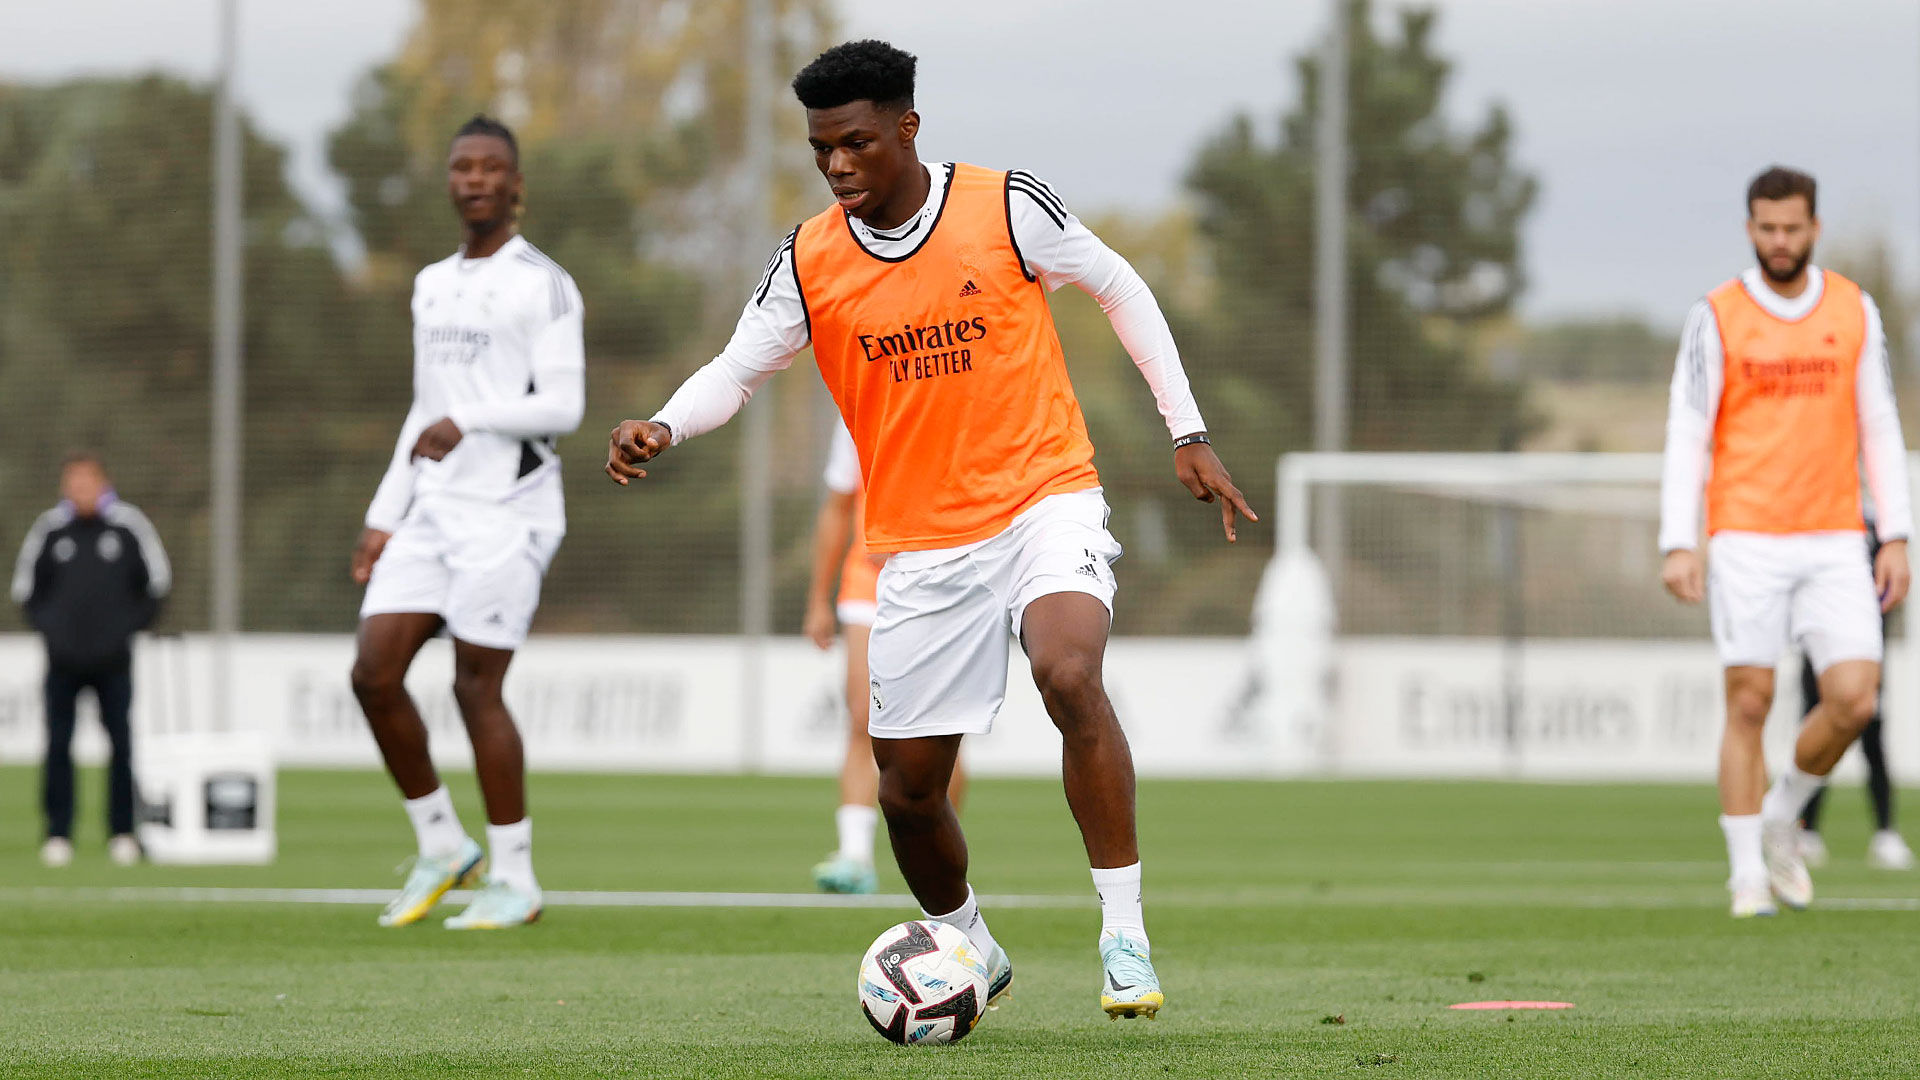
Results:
x,y
840,550
91,574
1784,371
923,293
465,523
1887,850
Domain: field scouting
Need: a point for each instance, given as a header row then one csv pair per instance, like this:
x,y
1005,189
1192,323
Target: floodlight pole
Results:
x,y
756,443
1330,277
225,443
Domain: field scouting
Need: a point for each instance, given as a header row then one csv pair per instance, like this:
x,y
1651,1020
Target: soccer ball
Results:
x,y
922,982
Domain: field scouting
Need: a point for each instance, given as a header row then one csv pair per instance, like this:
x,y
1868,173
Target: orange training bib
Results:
x,y
947,370
1786,443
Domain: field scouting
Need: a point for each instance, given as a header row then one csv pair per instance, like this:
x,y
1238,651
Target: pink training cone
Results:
x,y
1513,1005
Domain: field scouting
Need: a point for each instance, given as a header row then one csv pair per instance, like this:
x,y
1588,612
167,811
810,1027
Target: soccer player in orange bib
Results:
x,y
1784,372
840,552
923,292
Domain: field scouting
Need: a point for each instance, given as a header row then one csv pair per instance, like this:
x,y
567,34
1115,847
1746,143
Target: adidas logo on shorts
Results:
x,y
1092,566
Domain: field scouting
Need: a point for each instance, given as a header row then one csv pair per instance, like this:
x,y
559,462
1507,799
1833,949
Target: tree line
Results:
x,y
628,131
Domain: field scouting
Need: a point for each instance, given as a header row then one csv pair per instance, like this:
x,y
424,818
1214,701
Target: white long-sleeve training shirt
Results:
x,y
498,348
1058,250
842,471
1699,376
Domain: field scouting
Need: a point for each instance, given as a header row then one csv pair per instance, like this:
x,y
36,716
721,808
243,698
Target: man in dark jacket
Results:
x,y
91,574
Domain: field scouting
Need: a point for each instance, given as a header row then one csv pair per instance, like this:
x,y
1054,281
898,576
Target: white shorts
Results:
x,y
1815,590
480,571
855,612
937,661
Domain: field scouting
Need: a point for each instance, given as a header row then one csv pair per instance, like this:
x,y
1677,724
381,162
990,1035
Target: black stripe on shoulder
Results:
x,y
793,261
1012,238
1038,188
1039,193
1055,216
773,265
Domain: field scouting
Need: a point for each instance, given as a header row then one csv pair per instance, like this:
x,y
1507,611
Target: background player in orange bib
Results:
x,y
923,294
840,557
1784,371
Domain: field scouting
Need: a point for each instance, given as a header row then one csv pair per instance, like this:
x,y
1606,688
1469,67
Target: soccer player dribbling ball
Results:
x,y
1784,371
923,294
840,552
465,523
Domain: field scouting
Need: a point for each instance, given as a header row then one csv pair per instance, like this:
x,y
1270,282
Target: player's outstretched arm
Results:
x,y
632,444
772,330
1199,468
1060,250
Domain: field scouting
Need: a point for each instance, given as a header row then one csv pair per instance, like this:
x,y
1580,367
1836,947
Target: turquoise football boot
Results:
x,y
429,880
497,905
1130,988
999,976
840,874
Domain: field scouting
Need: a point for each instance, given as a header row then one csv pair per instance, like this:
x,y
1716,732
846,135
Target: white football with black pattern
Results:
x,y
922,982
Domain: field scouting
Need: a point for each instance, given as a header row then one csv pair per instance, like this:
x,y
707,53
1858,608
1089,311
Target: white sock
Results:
x,y
968,919
435,824
856,824
1743,850
1119,889
510,855
1789,794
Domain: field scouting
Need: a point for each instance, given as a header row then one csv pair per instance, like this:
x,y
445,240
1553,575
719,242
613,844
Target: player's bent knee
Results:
x,y
472,689
1069,681
908,806
373,681
1748,706
1854,708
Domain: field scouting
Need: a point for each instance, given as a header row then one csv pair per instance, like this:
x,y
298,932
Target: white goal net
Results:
x,y
1486,545
1495,615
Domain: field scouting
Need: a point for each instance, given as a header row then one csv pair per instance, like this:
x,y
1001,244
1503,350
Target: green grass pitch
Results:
x,y
1301,930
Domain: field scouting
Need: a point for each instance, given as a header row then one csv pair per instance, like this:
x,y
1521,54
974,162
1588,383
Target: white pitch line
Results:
x,y
898,901
558,898
1869,903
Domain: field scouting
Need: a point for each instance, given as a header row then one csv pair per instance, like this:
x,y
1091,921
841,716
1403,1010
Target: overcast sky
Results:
x,y
1642,118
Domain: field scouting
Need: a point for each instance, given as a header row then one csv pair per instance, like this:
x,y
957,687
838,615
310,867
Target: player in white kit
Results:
x,y
465,522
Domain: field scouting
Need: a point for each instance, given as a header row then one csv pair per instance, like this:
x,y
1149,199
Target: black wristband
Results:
x,y
1189,440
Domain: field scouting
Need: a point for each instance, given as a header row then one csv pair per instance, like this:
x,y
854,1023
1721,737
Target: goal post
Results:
x,y
1484,472
1497,614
